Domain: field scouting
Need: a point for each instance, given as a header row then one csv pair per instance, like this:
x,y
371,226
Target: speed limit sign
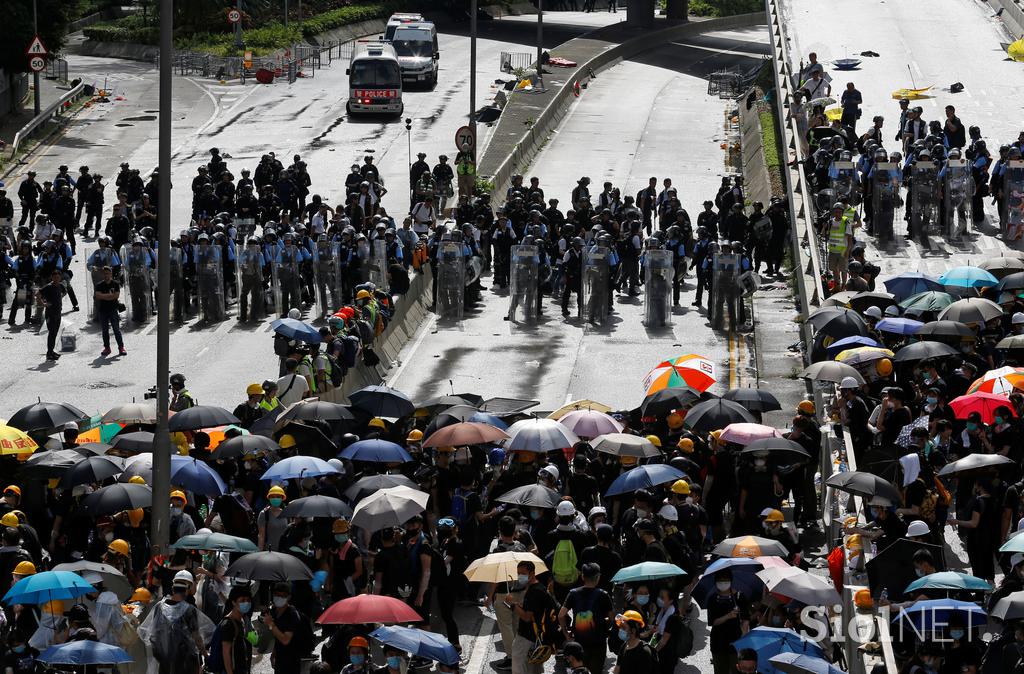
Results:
x,y
465,136
234,16
37,64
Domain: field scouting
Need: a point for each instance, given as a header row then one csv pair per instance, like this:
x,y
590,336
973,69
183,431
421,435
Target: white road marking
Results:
x,y
475,663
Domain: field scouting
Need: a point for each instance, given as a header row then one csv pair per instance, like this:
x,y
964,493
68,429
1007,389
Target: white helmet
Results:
x,y
1018,318
1016,559
552,471
873,312
848,383
294,313
565,509
668,513
183,578
918,528
596,510
892,310
337,465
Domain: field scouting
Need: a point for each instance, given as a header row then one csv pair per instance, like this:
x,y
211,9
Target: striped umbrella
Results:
x,y
691,370
1002,380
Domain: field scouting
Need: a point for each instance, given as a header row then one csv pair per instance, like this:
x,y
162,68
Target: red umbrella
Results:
x,y
368,608
983,403
465,433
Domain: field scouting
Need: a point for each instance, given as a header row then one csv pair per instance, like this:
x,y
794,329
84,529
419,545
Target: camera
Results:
x,y
150,394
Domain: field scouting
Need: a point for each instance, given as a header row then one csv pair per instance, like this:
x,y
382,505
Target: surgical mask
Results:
x,y
661,602
932,400
919,572
357,658
19,648
723,585
109,536
641,513
999,421
536,514
777,621
927,378
394,662
689,500
280,602
523,579
276,502
175,511
623,635
341,538
971,426
760,463
245,607
956,634
642,599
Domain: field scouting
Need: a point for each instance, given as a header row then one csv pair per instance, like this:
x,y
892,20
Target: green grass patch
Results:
x,y
769,139
725,7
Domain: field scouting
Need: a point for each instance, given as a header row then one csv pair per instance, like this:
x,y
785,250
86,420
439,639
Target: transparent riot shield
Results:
x,y
210,283
924,198
363,253
885,194
844,182
523,283
1011,207
377,265
659,270
957,194
96,261
288,279
137,281
724,289
328,277
244,228
594,285
7,230
451,281
177,300
249,271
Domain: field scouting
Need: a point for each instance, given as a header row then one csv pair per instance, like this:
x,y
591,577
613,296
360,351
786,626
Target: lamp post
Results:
x,y
540,43
472,67
35,75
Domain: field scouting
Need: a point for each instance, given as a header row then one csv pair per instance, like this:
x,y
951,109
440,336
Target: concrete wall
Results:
x,y
755,172
350,32
1013,16
13,89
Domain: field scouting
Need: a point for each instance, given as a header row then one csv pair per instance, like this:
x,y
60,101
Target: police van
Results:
x,y
374,80
397,20
418,53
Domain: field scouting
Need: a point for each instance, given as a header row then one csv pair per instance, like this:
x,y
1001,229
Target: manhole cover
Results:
x,y
101,384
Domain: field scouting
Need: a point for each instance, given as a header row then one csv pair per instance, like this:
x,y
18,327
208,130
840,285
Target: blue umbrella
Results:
x,y
485,418
771,641
899,326
643,477
84,653
949,580
968,277
744,578
923,615
647,571
376,451
851,342
298,467
910,284
297,330
798,663
47,586
425,644
196,476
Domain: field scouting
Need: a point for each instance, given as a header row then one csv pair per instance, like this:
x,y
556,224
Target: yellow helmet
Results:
x,y
654,440
774,516
136,479
685,445
177,493
9,520
415,435
446,449
628,460
674,421
141,594
681,487
862,599
377,422
254,390
287,440
806,406
630,616
884,367
854,542
276,491
363,295
25,569
54,607
120,546
716,434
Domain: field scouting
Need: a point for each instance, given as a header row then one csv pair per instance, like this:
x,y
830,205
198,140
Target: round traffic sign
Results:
x,y
465,136
234,16
37,64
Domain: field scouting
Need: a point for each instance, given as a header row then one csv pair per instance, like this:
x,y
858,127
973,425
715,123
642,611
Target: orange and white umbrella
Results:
x,y
697,372
1002,381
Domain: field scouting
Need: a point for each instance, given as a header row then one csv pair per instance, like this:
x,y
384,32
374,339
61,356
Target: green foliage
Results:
x,y
260,40
725,7
54,16
769,139
343,16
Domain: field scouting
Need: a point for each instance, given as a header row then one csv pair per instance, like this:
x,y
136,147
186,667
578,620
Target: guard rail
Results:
x,y
52,111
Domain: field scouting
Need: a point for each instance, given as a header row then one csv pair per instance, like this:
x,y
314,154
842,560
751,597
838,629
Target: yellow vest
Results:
x,y
837,235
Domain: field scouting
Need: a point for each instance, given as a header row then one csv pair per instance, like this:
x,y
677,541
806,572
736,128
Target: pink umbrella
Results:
x,y
590,423
745,433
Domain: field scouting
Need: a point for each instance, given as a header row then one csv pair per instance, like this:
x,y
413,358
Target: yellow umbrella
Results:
x,y
863,354
1016,51
500,567
585,404
910,94
16,441
834,114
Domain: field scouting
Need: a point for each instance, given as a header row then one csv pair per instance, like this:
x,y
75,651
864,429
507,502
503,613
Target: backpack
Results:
x,y
928,503
215,659
337,374
303,640
546,626
459,506
563,565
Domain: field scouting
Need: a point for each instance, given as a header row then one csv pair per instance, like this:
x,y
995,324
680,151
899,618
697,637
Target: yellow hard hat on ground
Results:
x,y
681,487
25,569
120,546
254,390
286,441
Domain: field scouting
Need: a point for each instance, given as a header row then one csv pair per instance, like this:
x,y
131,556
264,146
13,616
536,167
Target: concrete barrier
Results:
x,y
119,50
755,170
353,31
1012,16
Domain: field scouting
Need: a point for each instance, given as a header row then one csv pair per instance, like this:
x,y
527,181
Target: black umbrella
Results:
x,y
91,469
1013,283
945,329
710,415
893,568
440,402
272,566
452,415
118,497
786,449
201,416
318,506
240,445
820,317
42,416
374,483
136,442
661,403
382,401
532,495
754,399
315,410
92,448
46,465
924,350
861,301
865,484
310,438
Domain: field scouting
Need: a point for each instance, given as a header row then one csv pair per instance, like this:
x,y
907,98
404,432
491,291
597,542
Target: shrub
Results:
x,y
725,7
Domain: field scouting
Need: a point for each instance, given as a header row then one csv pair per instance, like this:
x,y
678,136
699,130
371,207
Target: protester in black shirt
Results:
x,y
283,621
529,610
52,295
236,651
592,615
728,616
108,299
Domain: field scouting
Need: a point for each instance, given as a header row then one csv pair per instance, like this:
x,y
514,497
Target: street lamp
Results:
x,y
472,67
35,74
540,43
408,140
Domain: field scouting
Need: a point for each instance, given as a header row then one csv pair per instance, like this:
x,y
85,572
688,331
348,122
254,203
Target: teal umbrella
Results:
x,y
968,277
949,580
647,571
215,542
1015,544
930,300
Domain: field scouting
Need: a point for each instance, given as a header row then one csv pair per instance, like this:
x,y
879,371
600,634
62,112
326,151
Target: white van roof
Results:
x,y
373,48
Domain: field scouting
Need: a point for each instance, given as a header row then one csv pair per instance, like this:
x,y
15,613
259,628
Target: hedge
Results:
x,y
725,7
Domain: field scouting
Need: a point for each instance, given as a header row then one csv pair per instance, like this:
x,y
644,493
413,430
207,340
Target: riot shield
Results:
x,y
885,194
363,252
924,199
957,193
594,285
451,281
724,289
177,300
210,283
844,182
137,281
287,279
7,230
96,261
659,270
244,228
523,283
377,265
328,277
1011,207
249,271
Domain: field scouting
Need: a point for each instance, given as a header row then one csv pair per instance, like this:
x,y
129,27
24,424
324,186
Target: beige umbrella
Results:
x,y
585,404
500,567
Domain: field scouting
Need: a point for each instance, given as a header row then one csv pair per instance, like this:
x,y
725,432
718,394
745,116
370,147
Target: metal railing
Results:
x,y
52,111
56,69
298,60
510,61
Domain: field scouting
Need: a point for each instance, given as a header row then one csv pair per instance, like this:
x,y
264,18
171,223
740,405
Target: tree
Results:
x,y
54,16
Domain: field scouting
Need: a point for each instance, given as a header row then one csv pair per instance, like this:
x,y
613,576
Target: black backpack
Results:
x,y
303,639
337,373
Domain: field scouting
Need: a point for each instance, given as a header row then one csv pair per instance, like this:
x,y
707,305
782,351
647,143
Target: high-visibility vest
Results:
x,y
270,406
837,235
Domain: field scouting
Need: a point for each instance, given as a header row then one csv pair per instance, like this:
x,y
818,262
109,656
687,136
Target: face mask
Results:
x,y
723,585
357,658
999,421
109,536
642,599
777,621
956,634
641,513
689,500
248,465
927,378
175,511
536,514
918,571
245,607
280,602
19,649
394,662
623,635
971,426
276,502
523,579
341,538
932,400
760,463
661,602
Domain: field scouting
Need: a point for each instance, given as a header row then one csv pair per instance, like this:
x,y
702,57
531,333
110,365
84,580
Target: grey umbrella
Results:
x,y
539,435
830,370
624,444
113,580
945,328
923,350
374,483
1011,342
532,495
973,461
1010,607
971,310
131,414
317,506
389,508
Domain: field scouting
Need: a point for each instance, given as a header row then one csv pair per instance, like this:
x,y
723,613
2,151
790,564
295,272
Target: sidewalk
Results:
x,y
50,91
